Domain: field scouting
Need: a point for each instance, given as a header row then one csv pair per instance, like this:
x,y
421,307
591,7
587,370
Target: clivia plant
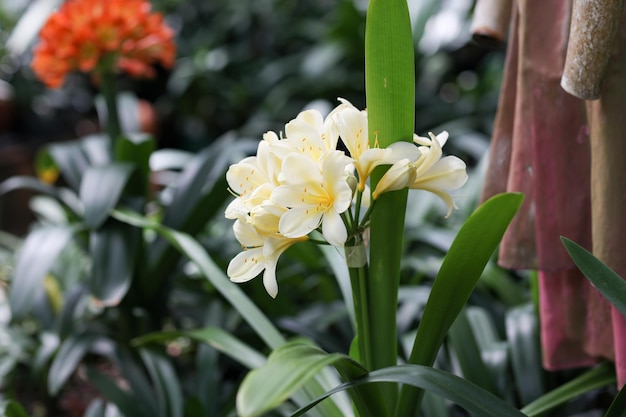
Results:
x,y
341,181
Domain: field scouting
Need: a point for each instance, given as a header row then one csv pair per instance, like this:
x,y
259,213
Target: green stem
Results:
x,y
390,93
109,91
358,281
357,208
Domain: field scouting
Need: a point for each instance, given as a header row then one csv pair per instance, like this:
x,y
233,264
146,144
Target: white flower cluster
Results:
x,y
301,182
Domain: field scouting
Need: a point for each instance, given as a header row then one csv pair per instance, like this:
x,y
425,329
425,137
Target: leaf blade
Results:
x,y
610,285
461,269
33,264
462,392
100,190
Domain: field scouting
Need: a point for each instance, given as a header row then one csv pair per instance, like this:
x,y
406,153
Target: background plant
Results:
x,y
269,77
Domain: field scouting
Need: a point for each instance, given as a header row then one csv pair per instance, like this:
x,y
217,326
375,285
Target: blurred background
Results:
x,y
245,67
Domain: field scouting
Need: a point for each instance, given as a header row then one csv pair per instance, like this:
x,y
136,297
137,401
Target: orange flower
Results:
x,y
104,35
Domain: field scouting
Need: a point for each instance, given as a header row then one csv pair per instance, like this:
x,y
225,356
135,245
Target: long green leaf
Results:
x,y
67,358
463,341
134,373
65,195
167,387
113,249
618,406
288,369
459,273
194,251
71,160
390,96
101,189
199,193
610,285
598,377
464,393
231,292
522,330
213,336
34,260
125,401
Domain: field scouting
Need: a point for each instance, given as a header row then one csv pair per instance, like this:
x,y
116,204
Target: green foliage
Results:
x,y
140,230
610,285
451,387
459,272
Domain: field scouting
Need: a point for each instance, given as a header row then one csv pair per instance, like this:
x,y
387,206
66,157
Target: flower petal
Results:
x,y
299,221
449,173
333,229
396,178
246,265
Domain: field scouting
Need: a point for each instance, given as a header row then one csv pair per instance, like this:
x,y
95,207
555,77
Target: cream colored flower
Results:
x,y
306,134
314,195
351,125
429,171
260,254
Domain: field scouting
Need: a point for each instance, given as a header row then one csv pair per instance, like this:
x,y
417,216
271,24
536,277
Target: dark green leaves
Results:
x,y
467,395
459,273
598,377
288,369
611,285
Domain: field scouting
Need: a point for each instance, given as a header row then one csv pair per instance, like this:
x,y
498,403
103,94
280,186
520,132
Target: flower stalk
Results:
x,y
109,91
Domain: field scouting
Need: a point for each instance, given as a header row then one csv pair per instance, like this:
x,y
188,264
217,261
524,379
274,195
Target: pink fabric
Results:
x,y
541,147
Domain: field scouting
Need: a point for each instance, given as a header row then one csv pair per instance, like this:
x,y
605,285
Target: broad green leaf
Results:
x,y
136,149
522,330
65,195
11,409
213,336
610,285
25,182
70,160
101,189
464,393
494,352
124,400
460,271
97,148
618,406
390,101
113,248
598,377
71,352
288,369
465,346
434,406
34,260
168,390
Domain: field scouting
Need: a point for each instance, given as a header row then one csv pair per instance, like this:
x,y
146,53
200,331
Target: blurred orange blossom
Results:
x,y
102,35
